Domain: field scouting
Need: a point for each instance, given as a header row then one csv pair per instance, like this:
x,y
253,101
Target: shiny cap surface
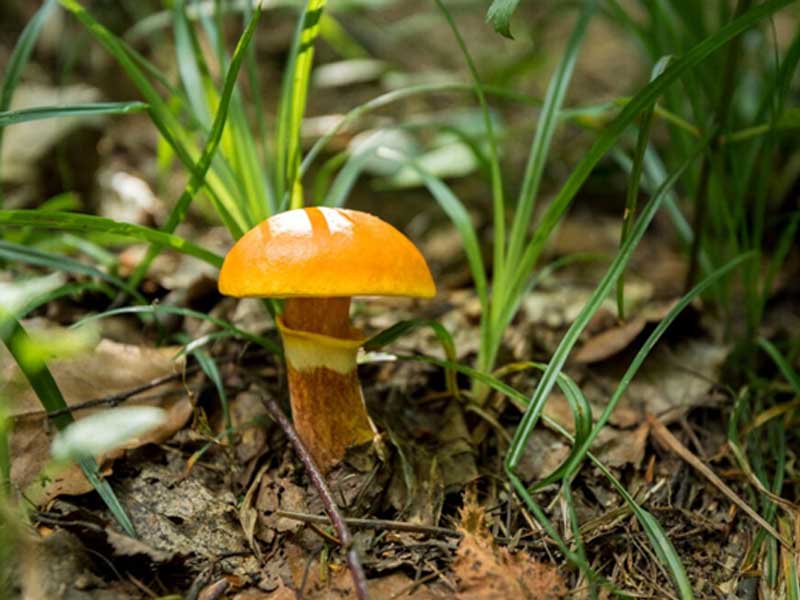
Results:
x,y
322,251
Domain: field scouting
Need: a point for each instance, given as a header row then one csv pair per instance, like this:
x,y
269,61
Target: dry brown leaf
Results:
x,y
619,336
610,341
485,571
618,448
110,368
278,494
673,378
128,546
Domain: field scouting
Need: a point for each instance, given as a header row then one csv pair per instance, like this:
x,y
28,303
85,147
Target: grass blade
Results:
x,y
19,58
575,461
783,365
67,221
634,181
13,117
498,202
6,489
209,367
615,129
658,538
190,71
387,336
455,210
294,92
179,139
41,380
199,172
545,129
157,309
55,262
559,358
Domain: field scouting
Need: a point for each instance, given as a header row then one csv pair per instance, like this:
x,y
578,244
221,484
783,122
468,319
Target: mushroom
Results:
x,y
317,259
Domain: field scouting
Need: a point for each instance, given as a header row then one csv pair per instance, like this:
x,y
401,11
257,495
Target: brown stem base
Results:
x,y
328,408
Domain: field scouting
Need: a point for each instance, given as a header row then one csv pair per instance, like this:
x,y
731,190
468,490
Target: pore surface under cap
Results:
x,y
324,251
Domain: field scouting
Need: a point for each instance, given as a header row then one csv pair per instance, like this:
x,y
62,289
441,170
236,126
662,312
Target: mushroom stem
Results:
x,y
327,404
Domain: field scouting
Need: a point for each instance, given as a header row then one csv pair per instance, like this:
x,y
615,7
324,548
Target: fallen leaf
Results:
x,y
619,336
128,546
485,571
110,368
610,341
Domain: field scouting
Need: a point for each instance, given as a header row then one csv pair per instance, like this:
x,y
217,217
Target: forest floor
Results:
x,y
432,514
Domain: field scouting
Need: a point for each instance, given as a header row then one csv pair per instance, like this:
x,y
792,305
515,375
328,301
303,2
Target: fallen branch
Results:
x,y
318,481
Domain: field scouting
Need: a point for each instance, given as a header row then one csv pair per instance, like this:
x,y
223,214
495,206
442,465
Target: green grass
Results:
x,y
19,59
516,254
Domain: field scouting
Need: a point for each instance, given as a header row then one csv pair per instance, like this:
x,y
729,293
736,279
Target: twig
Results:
x,y
664,435
373,524
317,480
119,397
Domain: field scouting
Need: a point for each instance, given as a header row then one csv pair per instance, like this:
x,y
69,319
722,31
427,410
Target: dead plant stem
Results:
x,y
318,481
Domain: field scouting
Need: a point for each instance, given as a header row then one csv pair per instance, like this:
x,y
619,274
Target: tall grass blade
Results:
x,y
188,56
67,221
41,380
574,462
634,180
167,123
498,202
19,58
545,129
13,117
238,144
559,358
614,130
294,92
198,175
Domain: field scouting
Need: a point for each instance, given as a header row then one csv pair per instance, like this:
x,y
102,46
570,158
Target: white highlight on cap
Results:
x,y
295,222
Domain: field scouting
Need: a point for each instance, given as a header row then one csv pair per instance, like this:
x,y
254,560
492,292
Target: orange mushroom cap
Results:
x,y
324,252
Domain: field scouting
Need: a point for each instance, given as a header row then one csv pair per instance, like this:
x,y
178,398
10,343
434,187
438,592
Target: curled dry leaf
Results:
x,y
619,336
485,571
110,368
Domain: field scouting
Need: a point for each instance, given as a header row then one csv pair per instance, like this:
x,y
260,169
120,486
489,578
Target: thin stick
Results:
x,y
664,435
373,524
120,397
318,481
